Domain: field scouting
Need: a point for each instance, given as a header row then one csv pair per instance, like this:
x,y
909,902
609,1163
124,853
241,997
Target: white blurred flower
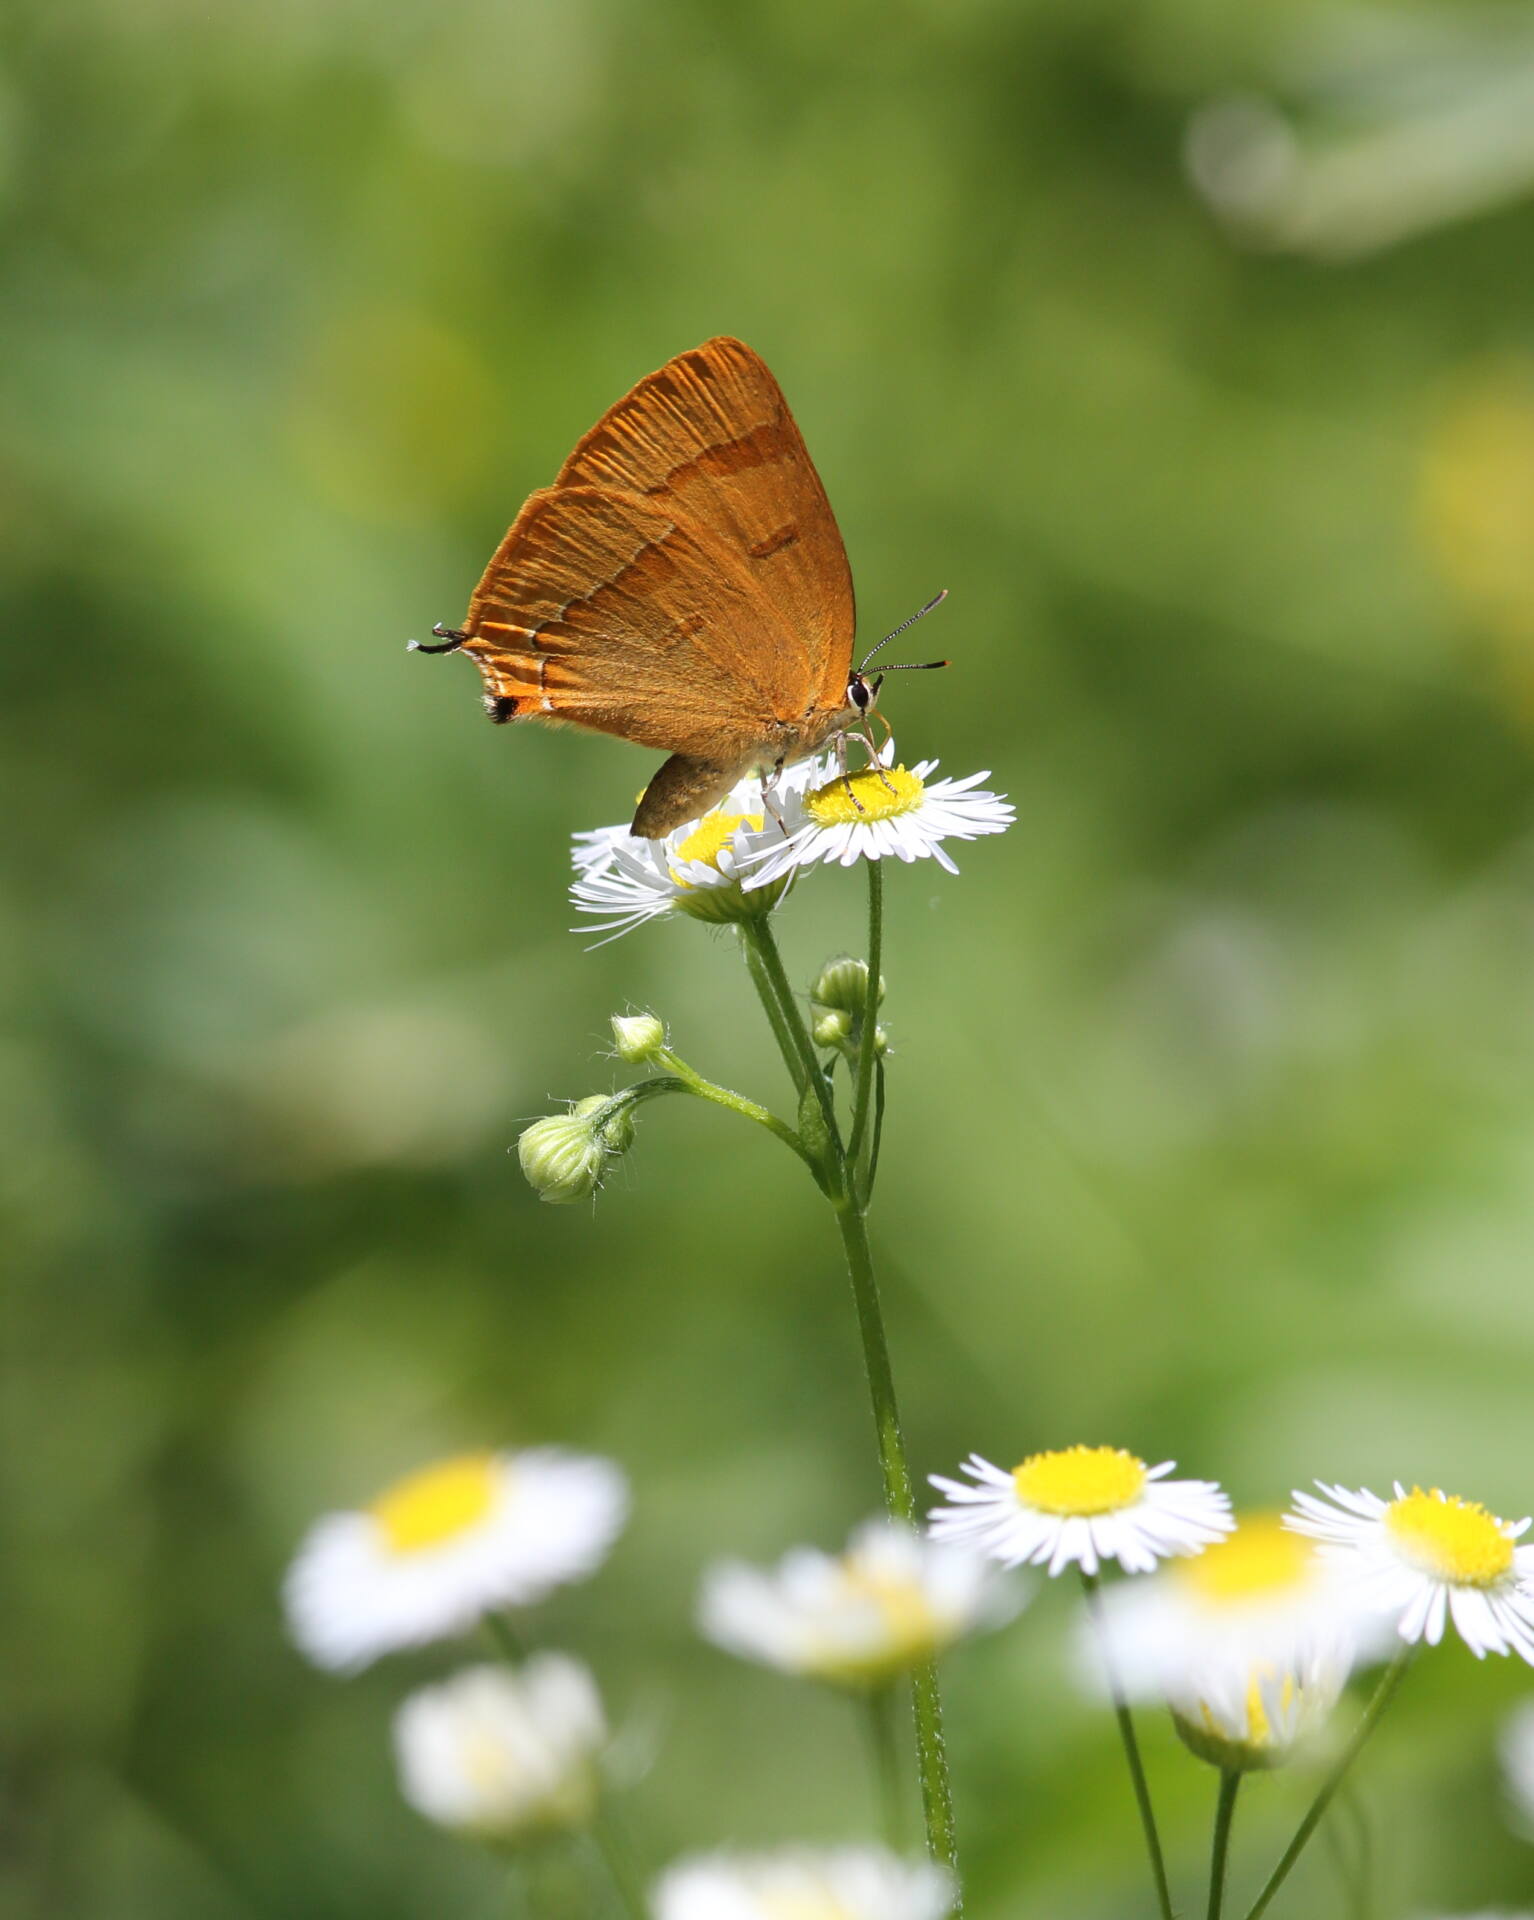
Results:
x,y
880,811
1249,1643
1087,1504
844,1883
439,1549
1516,1747
1424,1557
501,1754
855,1619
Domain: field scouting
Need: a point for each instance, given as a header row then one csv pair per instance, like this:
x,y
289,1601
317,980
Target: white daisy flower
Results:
x,y
1249,1642
441,1548
842,1883
696,870
594,850
1515,1745
881,810
500,1754
1087,1504
856,1619
1424,1557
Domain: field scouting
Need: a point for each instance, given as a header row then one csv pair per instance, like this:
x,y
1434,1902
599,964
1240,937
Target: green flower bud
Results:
x,y
638,1037
565,1155
833,1028
843,984
617,1130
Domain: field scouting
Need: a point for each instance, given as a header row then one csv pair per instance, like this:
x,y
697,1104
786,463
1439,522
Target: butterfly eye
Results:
x,y
859,693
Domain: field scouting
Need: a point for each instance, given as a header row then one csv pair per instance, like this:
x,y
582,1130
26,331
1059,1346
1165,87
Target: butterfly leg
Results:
x,y
840,743
769,800
876,754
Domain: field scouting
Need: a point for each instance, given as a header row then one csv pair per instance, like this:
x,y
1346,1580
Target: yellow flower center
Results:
x,y
1258,1733
1456,1540
876,793
1080,1480
711,836
431,1506
1258,1559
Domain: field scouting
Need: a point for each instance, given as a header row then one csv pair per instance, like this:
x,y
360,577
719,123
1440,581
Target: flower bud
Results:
x,y
833,1028
638,1037
843,984
617,1130
565,1154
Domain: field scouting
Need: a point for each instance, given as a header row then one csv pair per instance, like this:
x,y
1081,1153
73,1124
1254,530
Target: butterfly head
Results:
x,y
862,691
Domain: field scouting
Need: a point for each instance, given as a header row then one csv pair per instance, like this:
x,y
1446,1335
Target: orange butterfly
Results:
x,y
682,585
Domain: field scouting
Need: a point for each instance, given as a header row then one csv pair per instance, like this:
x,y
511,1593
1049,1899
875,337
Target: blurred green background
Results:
x,y
1212,1126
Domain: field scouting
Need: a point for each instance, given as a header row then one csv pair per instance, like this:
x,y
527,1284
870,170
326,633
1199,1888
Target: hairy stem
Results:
x,y
787,1022
694,1082
838,1180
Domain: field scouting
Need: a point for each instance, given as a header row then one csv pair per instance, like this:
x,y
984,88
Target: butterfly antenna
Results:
x,y
920,614
450,637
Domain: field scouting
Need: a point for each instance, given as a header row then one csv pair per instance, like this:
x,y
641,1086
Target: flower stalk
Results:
x,y
838,1178
1131,1745
1383,1694
1219,1858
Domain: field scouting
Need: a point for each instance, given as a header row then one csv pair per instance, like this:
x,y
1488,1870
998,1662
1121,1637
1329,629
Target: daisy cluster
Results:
x,y
1250,1629
510,1751
739,860
1247,1630
499,1751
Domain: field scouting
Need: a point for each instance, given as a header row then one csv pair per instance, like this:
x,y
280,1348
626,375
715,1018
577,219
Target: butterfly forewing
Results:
x,y
603,610
711,436
682,585
688,545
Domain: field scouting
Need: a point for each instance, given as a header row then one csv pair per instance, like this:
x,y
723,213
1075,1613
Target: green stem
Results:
x,y
932,1768
877,1139
1390,1679
1131,1750
870,1030
837,1176
900,1503
793,1035
693,1082
886,1764
899,1495
1224,1814
761,979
